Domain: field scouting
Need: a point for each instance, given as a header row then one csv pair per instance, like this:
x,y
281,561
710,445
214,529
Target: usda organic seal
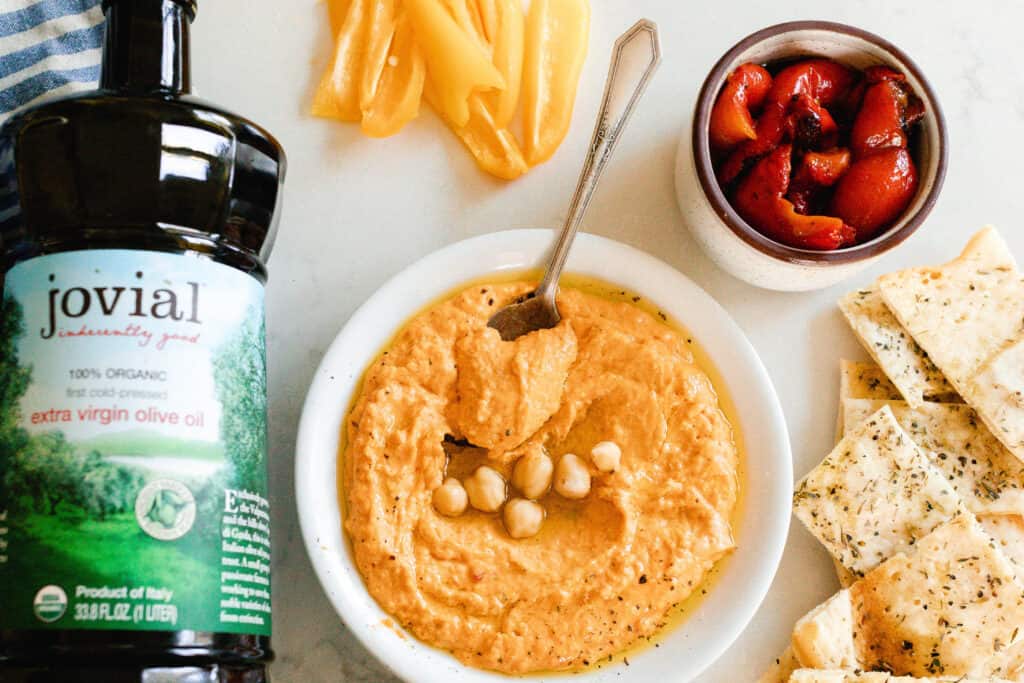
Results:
x,y
50,604
165,509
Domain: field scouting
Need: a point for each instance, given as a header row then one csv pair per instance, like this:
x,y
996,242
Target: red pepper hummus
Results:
x,y
603,571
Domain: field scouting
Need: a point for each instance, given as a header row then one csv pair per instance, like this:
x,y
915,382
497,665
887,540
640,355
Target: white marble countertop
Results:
x,y
358,210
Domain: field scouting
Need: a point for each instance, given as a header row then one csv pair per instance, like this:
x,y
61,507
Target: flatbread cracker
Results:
x,y
894,350
967,314
861,380
997,391
961,679
836,676
781,669
833,676
865,380
1008,533
824,637
988,478
952,608
845,576
858,379
1016,666
874,495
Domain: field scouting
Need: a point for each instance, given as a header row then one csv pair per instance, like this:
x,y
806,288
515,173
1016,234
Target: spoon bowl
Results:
x,y
524,315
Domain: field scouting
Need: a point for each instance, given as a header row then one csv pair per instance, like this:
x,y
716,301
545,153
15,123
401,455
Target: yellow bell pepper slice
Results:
x,y
507,57
494,149
381,30
478,23
557,33
466,16
398,94
337,96
456,62
336,11
489,17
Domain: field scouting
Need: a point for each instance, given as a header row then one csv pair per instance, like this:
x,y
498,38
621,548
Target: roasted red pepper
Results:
x,y
882,181
822,169
731,120
816,172
809,125
787,176
798,91
769,130
875,191
760,200
826,81
887,109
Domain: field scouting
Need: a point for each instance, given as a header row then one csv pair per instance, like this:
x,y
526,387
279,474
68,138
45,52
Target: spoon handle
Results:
x,y
635,57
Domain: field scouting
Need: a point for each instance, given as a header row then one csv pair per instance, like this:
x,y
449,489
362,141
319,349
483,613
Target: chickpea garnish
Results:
x,y
522,517
486,489
450,498
532,474
572,478
606,456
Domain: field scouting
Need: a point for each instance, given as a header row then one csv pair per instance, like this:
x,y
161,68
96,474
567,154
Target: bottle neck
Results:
x,y
146,47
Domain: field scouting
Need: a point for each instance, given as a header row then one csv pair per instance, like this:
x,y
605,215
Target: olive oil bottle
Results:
x,y
135,223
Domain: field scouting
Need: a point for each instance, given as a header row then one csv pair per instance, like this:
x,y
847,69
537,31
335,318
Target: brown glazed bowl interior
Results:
x,y
856,48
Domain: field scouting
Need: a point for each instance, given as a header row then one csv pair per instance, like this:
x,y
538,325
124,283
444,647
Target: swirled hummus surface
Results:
x,y
449,395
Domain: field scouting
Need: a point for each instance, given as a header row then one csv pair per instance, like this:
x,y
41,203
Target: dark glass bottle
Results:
x,y
136,172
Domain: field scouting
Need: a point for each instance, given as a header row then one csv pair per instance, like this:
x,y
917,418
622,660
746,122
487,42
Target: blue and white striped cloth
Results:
x,y
48,48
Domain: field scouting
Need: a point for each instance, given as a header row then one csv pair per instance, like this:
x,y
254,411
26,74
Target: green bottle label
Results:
x,y
133,485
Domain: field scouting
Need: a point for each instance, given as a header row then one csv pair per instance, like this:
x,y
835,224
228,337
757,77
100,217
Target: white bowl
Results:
x,y
744,577
740,249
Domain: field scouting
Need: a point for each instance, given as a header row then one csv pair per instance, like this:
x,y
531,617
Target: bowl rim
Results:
x,y
906,226
764,522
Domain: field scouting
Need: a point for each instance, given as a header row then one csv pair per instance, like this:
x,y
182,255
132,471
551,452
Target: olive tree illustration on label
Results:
x,y
133,445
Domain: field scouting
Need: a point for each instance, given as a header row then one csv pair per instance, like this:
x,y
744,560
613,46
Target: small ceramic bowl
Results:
x,y
767,478
734,244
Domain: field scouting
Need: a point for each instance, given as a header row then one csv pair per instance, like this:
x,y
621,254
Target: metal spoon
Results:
x,y
636,55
